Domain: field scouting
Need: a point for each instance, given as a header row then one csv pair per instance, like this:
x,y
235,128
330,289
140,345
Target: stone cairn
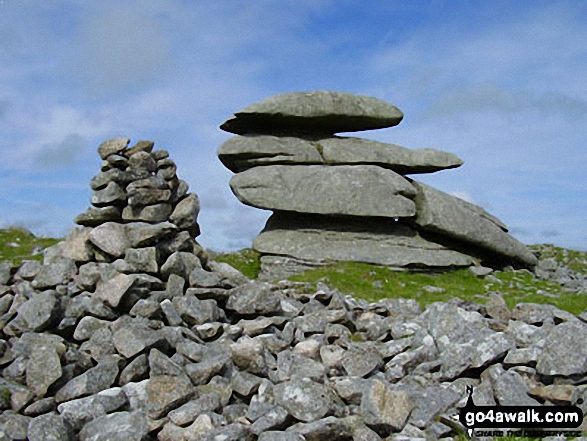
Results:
x,y
348,199
127,331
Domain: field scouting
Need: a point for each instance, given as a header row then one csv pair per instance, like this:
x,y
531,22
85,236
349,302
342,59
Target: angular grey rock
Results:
x,y
540,314
95,216
305,399
165,393
385,410
232,432
321,112
234,276
43,369
40,407
205,279
151,213
180,263
314,240
117,161
112,147
449,216
524,334
141,146
523,356
142,260
431,402
361,190
241,153
118,426
195,311
559,394
261,325
102,179
83,410
350,389
87,326
185,214
77,246
480,271
92,381
49,427
290,365
509,388
147,196
38,313
134,338
15,427
5,271
564,351
360,362
112,291
187,413
275,419
330,428
142,160
250,355
201,373
141,234
254,298
244,383
60,271
497,308
111,238
112,194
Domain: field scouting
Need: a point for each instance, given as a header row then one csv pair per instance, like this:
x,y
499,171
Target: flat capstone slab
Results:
x,y
321,112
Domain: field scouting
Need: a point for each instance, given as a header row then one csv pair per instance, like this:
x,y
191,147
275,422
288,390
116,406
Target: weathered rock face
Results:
x,y
382,242
243,152
288,161
356,191
451,217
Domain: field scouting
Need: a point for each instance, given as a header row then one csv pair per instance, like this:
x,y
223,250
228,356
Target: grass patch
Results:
x,y
372,283
18,244
246,261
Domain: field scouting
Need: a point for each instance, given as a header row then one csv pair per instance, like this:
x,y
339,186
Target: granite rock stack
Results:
x,y
349,199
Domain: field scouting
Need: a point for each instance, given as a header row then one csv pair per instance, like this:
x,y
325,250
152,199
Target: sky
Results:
x,y
501,84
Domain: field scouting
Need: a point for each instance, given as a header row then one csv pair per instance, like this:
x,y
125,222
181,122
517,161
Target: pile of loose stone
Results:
x,y
127,331
348,199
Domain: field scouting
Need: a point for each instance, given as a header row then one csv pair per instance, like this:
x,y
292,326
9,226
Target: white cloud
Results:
x,y
55,137
122,46
489,97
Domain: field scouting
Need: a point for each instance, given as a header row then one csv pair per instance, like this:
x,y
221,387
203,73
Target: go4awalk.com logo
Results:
x,y
530,421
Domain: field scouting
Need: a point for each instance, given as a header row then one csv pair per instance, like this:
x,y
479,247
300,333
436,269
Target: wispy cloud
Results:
x,y
122,47
489,97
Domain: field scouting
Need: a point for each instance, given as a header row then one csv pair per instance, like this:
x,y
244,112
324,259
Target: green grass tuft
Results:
x,y
17,244
246,261
372,283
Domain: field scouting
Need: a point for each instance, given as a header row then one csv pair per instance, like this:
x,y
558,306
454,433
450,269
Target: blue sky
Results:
x,y
501,84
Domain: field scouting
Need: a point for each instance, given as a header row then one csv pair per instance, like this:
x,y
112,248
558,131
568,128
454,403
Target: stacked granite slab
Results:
x,y
348,199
